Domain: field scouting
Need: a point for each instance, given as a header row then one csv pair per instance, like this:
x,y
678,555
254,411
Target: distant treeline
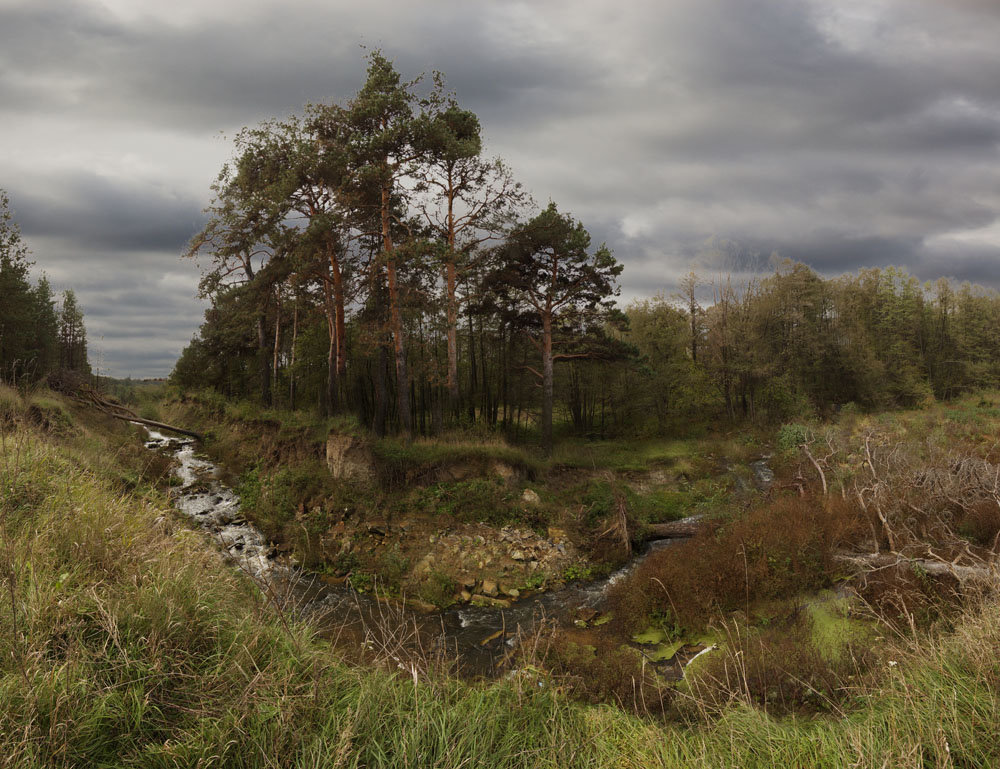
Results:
x,y
366,258
36,336
795,344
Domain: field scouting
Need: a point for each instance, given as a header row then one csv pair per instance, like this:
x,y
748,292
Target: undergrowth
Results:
x,y
127,642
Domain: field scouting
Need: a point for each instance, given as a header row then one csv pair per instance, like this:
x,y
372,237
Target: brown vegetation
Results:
x,y
779,669
773,550
599,669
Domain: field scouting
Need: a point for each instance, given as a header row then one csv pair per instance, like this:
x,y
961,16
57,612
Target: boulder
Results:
x,y
489,588
531,498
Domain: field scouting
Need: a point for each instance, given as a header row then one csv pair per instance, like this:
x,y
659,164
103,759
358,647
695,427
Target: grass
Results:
x,y
11,404
621,455
126,645
400,462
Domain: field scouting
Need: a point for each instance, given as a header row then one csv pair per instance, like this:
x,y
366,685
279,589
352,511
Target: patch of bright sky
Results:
x,y
854,25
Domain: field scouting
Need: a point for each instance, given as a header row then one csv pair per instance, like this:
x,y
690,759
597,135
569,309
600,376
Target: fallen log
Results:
x,y
687,527
88,396
160,426
878,561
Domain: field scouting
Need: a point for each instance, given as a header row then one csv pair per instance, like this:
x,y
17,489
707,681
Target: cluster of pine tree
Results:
x,y
36,337
368,257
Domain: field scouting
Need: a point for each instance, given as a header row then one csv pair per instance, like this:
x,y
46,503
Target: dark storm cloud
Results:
x,y
960,261
100,213
685,134
79,57
254,65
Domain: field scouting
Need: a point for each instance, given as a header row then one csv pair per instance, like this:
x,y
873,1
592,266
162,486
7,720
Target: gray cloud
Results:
x,y
101,213
685,134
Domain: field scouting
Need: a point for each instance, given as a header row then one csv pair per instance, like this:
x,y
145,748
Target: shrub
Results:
x,y
771,551
599,500
981,522
779,670
791,436
907,596
391,566
438,589
607,672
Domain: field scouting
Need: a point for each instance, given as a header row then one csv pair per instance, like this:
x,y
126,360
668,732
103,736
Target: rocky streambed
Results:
x,y
477,637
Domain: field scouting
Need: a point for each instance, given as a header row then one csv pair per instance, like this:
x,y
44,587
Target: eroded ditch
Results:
x,y
477,640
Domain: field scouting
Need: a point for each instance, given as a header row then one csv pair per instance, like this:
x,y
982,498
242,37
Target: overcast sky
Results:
x,y
842,133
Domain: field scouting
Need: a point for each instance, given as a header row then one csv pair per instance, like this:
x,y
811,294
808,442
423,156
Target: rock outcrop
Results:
x,y
349,458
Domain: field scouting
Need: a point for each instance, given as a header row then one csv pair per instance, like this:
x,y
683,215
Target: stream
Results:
x,y
478,639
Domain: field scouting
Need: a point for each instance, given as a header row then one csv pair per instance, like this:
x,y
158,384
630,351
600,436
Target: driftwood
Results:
x,y
88,396
672,530
940,568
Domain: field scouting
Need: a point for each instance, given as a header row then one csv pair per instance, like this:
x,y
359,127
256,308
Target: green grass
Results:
x,y
124,645
399,460
833,629
488,500
11,405
622,455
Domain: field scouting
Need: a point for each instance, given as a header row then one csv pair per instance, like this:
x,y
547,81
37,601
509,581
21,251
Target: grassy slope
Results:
x,y
125,645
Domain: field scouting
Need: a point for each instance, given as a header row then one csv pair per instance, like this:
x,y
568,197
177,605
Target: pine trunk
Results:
x,y
547,383
396,323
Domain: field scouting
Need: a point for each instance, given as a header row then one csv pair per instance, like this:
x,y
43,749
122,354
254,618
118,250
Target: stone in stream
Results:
x,y
763,475
489,587
496,603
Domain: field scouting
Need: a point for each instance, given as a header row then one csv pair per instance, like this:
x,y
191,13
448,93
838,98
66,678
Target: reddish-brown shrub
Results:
x,y
771,551
981,522
905,595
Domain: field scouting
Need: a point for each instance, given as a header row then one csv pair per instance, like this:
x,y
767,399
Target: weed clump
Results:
x,y
779,669
11,406
604,670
